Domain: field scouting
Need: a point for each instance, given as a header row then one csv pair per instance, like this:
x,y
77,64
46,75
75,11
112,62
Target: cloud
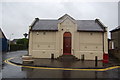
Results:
x,y
17,16
119,13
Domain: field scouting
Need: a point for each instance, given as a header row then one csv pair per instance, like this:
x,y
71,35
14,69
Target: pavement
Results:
x,y
10,71
60,64
55,63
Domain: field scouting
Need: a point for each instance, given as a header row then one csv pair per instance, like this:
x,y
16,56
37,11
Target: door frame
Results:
x,y
67,34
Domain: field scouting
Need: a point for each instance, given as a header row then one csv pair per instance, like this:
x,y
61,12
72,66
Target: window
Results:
x,y
112,45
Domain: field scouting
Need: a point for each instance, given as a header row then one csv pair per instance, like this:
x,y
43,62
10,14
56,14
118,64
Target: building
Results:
x,y
3,42
67,36
115,42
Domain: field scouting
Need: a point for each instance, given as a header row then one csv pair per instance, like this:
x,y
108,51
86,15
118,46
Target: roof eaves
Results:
x,y
44,30
89,31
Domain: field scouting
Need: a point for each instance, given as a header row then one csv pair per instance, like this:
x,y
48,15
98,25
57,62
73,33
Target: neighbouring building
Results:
x,y
14,41
3,42
67,36
115,42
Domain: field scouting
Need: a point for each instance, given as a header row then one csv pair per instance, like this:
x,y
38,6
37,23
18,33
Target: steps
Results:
x,y
67,58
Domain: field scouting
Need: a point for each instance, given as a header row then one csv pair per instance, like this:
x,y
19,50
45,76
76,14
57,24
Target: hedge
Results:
x,y
15,47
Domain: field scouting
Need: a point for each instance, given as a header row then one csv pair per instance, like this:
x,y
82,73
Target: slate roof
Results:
x,y
88,25
82,25
46,25
116,29
52,25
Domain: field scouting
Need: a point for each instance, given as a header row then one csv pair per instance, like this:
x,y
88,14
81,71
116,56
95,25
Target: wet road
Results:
x,y
9,71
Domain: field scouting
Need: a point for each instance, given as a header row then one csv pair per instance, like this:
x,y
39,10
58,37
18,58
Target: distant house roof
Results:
x,y
116,29
52,25
14,41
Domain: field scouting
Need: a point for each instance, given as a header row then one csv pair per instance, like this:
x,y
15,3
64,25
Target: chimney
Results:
x,y
36,19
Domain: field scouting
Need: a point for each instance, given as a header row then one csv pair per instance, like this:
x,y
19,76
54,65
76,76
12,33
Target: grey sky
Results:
x,y
119,13
17,16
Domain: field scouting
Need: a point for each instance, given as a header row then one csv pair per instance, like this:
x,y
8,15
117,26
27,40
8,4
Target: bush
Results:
x,y
15,47
21,44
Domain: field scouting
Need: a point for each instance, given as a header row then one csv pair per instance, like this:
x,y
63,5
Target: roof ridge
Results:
x,y
75,20
48,19
85,20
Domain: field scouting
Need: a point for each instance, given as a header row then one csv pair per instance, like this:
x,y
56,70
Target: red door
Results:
x,y
67,43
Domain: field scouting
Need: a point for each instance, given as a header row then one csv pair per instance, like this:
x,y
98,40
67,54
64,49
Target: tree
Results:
x,y
23,41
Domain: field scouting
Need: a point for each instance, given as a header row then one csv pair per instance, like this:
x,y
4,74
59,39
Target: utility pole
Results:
x,y
9,41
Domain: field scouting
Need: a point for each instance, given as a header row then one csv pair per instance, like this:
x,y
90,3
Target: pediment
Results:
x,y
65,17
